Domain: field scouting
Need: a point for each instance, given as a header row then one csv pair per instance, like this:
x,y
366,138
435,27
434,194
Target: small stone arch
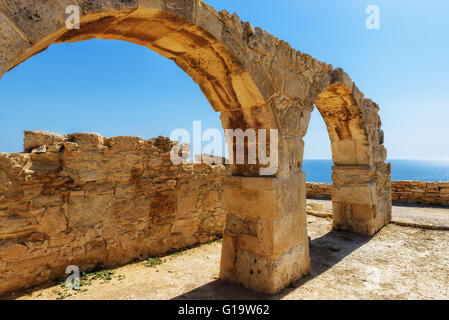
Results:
x,y
253,80
361,178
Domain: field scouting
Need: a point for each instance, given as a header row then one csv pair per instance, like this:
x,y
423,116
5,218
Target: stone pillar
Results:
x,y
265,243
361,198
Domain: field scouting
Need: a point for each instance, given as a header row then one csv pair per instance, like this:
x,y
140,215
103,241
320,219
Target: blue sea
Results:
x,y
422,170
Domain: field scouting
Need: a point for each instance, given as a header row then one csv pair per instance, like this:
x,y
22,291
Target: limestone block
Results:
x,y
349,175
186,201
380,154
53,221
341,77
12,44
228,257
13,252
86,170
304,122
285,55
379,136
270,275
151,4
48,200
210,200
264,197
88,211
89,6
262,41
11,227
36,19
363,212
39,150
87,138
295,85
357,194
207,19
263,80
290,156
183,8
358,98
35,139
125,143
247,203
235,43
280,235
350,152
236,225
247,94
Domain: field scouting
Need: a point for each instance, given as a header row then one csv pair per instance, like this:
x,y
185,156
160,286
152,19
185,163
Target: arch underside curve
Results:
x,y
255,81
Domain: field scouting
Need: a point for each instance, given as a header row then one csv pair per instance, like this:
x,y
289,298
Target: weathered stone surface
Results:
x,y
89,6
103,200
265,246
36,19
361,194
35,139
12,44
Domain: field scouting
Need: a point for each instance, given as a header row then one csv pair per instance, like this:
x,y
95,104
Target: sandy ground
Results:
x,y
397,263
429,217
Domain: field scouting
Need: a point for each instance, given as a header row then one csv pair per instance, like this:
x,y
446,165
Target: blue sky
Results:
x,y
117,88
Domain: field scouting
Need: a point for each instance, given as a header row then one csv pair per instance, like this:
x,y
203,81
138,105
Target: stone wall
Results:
x,y
421,192
413,192
319,190
90,201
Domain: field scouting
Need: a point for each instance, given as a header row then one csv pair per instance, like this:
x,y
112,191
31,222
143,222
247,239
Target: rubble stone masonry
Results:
x,y
90,201
413,192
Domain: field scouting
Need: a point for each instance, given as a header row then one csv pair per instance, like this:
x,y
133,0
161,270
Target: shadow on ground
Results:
x,y
325,252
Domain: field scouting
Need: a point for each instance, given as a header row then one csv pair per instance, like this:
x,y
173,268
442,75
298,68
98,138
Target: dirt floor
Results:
x,y
398,263
427,217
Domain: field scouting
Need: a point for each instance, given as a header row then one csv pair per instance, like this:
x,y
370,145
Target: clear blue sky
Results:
x,y
118,88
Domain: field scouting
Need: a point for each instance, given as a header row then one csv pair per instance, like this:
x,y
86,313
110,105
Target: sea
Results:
x,y
421,170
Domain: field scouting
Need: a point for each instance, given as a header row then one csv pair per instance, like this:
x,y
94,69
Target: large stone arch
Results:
x,y
253,80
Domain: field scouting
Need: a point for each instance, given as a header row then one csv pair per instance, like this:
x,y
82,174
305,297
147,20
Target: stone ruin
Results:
x,y
85,200
253,80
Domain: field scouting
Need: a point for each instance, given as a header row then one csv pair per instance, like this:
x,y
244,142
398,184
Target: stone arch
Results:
x,y
361,178
253,80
